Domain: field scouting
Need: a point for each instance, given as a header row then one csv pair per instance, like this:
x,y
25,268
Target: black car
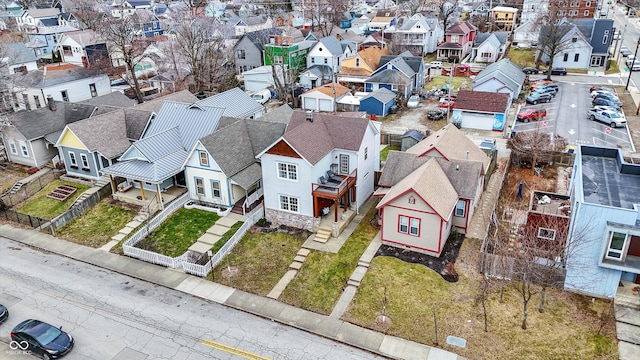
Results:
x,y
530,70
4,313
606,102
557,71
535,98
42,339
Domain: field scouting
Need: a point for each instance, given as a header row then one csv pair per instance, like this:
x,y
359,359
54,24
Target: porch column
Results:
x,y
337,208
113,184
159,199
142,190
315,206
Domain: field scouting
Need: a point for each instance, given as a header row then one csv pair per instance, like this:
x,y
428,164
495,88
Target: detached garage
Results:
x,y
378,102
322,98
481,110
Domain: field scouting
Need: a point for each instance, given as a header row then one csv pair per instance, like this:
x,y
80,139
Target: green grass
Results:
x,y
43,207
456,83
262,260
96,226
385,152
323,276
180,231
223,240
522,57
613,68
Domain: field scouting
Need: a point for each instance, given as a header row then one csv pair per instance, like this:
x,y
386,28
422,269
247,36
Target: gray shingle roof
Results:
x,y
18,53
332,45
506,67
51,77
389,77
235,102
281,114
115,98
234,148
37,123
383,94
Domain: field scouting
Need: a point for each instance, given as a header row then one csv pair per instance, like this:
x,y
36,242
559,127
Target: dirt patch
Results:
x,y
633,120
10,174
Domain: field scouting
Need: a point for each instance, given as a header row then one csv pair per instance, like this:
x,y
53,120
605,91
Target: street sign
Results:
x,y
607,130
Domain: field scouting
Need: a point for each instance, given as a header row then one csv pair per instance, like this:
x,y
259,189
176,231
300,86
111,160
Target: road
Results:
x,y
630,37
112,316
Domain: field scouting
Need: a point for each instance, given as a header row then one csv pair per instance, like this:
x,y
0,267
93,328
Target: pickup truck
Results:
x,y
609,117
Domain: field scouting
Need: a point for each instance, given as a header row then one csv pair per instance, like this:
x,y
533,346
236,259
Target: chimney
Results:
x,y
457,167
310,115
467,154
51,103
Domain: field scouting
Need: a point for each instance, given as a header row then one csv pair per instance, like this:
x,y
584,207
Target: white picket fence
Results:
x,y
129,248
204,270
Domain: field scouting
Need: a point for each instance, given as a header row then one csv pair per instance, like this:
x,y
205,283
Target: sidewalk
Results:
x,y
326,326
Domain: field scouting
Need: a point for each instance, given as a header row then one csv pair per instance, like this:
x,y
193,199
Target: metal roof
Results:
x,y
235,102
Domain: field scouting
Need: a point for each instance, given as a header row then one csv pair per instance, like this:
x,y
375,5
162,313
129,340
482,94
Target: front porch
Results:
x,y
626,296
332,198
147,198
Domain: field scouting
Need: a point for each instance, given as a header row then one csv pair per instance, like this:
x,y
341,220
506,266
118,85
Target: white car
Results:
x,y
630,60
413,101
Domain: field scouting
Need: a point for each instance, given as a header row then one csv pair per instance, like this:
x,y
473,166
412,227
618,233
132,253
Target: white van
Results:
x,y
262,96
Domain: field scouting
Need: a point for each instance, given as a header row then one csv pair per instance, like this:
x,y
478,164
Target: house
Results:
x,y
489,47
19,59
502,76
504,17
344,19
402,74
316,75
243,25
458,41
262,77
604,235
154,163
43,39
126,8
62,82
297,189
222,169
428,190
481,110
361,65
324,97
285,50
235,103
146,23
533,9
575,45
87,146
164,84
600,35
417,34
30,135
525,35
30,19
248,51
479,9
546,226
82,48
378,102
331,52
384,18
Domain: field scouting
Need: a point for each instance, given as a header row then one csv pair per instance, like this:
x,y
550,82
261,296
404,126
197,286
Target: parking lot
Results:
x,y
567,117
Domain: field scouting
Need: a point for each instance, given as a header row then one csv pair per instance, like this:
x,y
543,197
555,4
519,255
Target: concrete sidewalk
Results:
x,y
326,326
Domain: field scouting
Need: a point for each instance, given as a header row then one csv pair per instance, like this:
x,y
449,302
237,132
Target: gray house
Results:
x,y
248,50
600,34
502,76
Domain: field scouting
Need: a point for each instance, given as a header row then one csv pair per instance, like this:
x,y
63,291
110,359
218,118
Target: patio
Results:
x,y
134,196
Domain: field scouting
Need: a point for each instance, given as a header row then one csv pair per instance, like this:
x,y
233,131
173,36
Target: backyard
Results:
x,y
41,206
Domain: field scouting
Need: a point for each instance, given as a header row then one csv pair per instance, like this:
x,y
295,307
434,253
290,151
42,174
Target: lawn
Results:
x,y
522,57
96,226
41,206
457,82
262,260
180,231
566,330
319,283
223,240
385,152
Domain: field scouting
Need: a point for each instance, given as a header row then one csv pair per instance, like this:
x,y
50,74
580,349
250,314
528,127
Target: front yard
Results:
x,y
41,206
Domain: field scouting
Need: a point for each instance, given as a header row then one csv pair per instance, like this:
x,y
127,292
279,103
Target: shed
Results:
x,y
481,110
410,138
378,102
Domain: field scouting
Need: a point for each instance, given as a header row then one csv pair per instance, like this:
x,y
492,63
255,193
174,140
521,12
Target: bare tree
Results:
x,y
446,11
482,22
535,147
325,14
124,42
553,38
87,13
194,5
285,66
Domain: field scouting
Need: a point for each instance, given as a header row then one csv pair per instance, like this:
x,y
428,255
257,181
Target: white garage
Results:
x,y
322,97
481,110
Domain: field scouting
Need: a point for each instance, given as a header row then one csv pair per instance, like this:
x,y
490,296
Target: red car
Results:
x,y
528,114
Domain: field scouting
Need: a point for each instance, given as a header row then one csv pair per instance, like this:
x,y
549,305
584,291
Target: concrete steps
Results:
x,y
322,236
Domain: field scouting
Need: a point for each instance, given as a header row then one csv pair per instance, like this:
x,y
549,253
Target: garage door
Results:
x,y
309,103
326,105
477,121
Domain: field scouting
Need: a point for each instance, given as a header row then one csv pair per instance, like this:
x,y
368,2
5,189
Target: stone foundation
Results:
x,y
277,217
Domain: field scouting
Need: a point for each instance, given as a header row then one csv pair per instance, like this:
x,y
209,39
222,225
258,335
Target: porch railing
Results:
x,y
255,196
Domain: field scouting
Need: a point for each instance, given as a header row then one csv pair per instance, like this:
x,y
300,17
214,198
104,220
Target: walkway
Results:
x,y
482,215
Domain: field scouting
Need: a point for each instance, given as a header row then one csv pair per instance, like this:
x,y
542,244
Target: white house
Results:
x,y
533,9
297,187
75,46
417,34
261,78
576,50
331,52
525,35
19,59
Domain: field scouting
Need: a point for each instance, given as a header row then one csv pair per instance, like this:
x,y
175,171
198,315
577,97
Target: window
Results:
x,y
277,60
215,188
565,57
313,60
605,39
344,164
366,152
587,4
204,159
12,146
586,13
288,203
27,104
85,161
287,171
23,148
326,61
546,234
358,62
92,88
199,186
72,160
460,206
617,242
409,225
575,39
485,55
65,95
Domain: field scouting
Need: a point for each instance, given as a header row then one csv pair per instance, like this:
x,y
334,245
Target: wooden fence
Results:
x,y
79,207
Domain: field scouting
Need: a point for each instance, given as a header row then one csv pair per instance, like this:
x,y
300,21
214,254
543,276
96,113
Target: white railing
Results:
x,y
253,198
129,248
204,270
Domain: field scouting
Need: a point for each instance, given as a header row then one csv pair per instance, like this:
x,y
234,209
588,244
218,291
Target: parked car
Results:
x,y
547,88
544,90
540,82
447,103
606,94
624,51
611,118
602,88
528,114
530,70
635,66
630,59
557,71
602,107
435,64
535,98
4,313
413,101
610,97
42,339
606,102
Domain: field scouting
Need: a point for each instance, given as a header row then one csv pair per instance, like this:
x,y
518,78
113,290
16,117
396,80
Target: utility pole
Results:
x,y
631,66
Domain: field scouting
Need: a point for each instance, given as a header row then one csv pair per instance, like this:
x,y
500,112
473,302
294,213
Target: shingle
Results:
x,y
37,123
105,133
482,101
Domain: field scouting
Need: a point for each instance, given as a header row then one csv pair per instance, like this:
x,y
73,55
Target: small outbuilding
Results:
x,y
378,102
